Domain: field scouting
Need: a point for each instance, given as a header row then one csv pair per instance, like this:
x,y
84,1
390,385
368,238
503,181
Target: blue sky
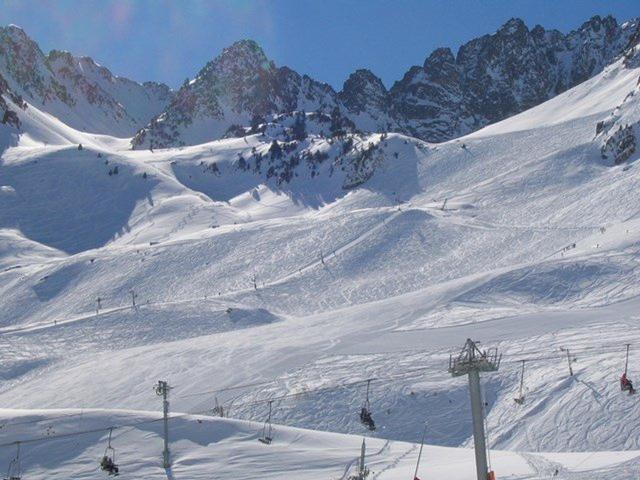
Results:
x,y
171,40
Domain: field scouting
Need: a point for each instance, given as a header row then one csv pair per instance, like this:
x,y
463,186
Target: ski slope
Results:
x,y
230,448
520,236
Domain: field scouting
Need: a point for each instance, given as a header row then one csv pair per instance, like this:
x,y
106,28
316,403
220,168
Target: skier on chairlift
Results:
x,y
108,461
626,385
108,466
367,419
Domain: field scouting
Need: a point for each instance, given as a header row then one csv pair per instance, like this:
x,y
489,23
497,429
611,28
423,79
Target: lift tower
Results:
x,y
471,361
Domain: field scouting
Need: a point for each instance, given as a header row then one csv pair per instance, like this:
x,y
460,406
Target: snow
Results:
x,y
519,236
230,448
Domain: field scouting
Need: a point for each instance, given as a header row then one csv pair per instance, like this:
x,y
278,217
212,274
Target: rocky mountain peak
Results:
x,y
596,23
16,34
490,78
450,94
241,86
496,76
513,27
439,58
77,90
242,57
363,89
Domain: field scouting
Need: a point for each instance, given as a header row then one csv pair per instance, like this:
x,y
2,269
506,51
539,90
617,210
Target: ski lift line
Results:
x,y
606,348
406,375
559,356
300,394
281,397
48,419
524,355
337,386
182,415
105,429
226,389
89,431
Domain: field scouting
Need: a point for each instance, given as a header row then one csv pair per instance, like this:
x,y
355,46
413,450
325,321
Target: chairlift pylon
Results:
x,y
520,399
424,432
108,461
365,412
218,410
267,429
15,469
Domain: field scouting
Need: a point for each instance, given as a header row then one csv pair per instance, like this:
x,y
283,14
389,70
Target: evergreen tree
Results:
x,y
299,129
275,150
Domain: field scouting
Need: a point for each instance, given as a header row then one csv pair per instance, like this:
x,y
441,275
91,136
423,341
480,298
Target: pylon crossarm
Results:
x,y
472,359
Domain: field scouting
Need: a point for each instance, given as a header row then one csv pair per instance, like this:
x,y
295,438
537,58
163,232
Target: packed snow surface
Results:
x,y
247,289
204,446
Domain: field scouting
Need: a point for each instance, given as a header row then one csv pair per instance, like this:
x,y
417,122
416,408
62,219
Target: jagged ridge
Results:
x,y
77,90
491,78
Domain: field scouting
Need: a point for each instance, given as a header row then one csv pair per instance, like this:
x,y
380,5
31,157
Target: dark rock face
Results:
x,y
364,90
427,101
496,76
620,145
8,114
491,78
617,135
366,100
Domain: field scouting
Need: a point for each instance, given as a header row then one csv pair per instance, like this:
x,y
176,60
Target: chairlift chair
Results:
x,y
267,429
108,461
625,383
365,412
15,471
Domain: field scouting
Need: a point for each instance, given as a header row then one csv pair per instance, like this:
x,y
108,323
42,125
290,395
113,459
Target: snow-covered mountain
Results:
x,y
301,255
239,87
491,78
77,90
496,76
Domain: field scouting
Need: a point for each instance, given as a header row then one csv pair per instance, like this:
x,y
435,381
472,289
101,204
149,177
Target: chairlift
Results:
x,y
267,429
625,383
218,410
15,470
520,399
365,411
108,462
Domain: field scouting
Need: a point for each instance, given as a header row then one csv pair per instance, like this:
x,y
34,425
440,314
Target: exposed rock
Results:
x,y
77,90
